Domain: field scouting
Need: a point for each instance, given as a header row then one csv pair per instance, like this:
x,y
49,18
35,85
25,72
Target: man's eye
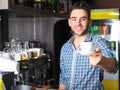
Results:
x,y
73,19
84,19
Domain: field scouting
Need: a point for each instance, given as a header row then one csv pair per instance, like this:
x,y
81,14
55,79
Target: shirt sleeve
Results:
x,y
104,46
61,77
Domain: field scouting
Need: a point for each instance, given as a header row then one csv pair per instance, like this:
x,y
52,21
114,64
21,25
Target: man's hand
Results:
x,y
61,87
95,57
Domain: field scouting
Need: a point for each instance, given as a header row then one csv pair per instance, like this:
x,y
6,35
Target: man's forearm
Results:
x,y
108,64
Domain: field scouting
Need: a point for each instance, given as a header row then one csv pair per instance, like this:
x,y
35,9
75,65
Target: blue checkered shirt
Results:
x,y
85,76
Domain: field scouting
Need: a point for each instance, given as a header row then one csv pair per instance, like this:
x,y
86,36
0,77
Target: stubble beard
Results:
x,y
83,33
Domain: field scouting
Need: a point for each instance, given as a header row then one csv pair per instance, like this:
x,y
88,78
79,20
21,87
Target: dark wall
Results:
x,y
106,3
61,35
102,3
88,1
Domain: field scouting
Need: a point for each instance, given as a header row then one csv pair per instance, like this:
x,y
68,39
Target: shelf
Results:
x,y
15,10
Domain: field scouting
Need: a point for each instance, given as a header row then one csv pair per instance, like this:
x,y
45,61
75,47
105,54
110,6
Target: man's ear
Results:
x,y
90,22
69,22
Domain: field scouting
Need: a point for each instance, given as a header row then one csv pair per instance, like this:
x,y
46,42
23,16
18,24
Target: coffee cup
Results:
x,y
86,47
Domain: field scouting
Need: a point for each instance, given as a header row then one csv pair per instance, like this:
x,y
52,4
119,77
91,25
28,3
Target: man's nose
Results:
x,y
78,22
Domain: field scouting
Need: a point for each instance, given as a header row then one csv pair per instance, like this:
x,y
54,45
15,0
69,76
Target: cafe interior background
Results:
x,y
31,36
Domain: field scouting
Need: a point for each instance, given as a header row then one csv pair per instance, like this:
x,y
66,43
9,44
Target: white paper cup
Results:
x,y
87,47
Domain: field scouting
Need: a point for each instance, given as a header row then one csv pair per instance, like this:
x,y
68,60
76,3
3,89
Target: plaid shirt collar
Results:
x,y
88,38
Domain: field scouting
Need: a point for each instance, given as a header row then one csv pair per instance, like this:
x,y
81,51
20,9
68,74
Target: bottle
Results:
x,y
48,5
65,2
113,45
54,6
60,6
29,3
19,2
37,4
43,5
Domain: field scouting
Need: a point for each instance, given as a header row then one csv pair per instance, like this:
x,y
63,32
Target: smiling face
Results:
x,y
79,22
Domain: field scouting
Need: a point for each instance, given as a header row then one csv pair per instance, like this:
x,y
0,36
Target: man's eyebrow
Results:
x,y
84,17
73,17
80,17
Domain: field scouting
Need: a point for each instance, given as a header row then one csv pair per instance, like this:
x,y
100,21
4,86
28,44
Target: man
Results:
x,y
84,72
